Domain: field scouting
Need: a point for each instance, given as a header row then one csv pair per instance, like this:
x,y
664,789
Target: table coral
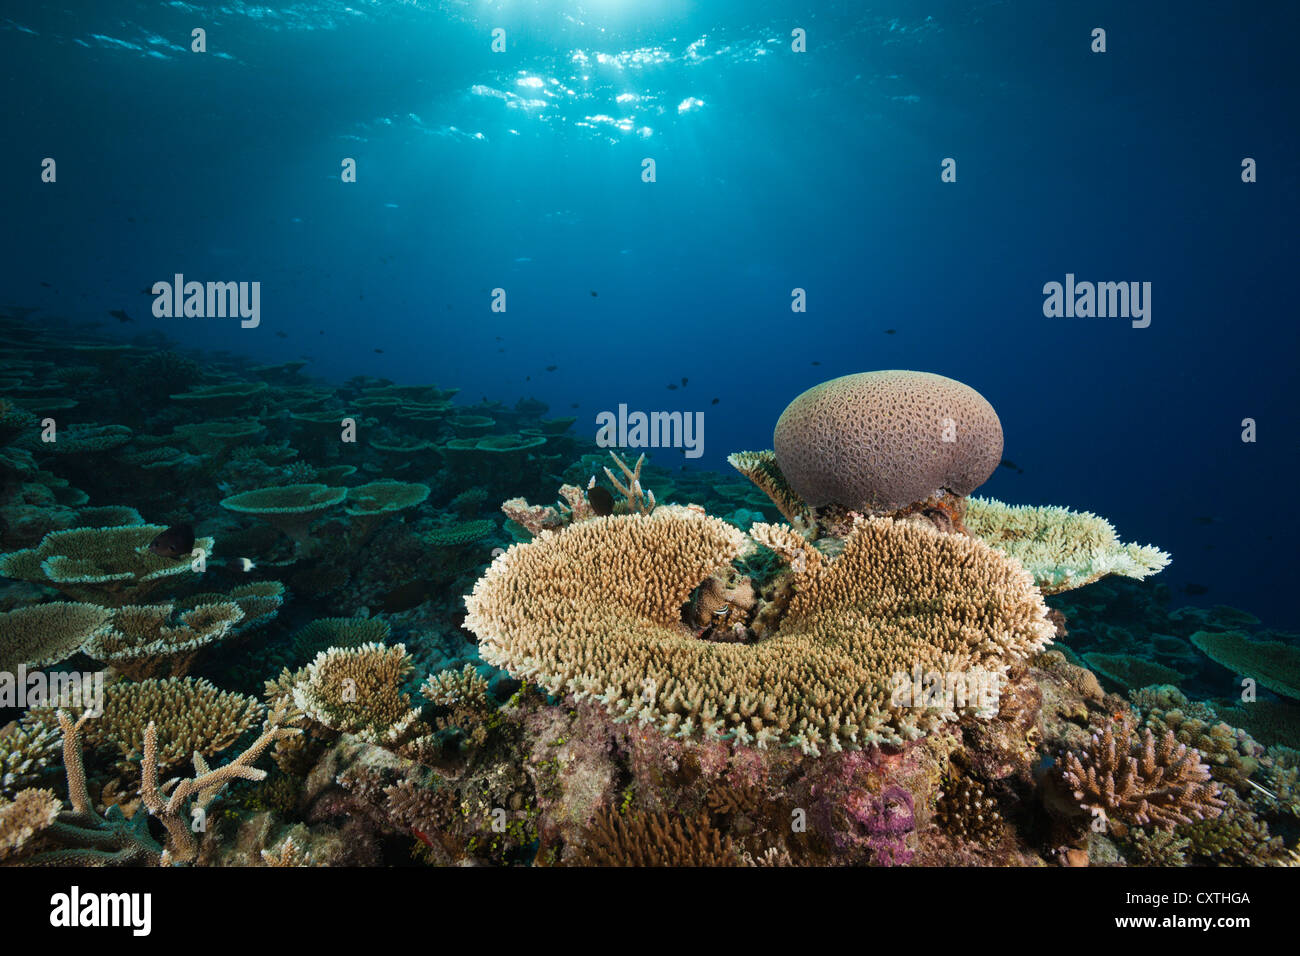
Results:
x,y
595,610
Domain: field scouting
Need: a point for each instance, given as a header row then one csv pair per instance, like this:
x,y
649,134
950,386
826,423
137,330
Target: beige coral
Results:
x,y
596,611
1062,549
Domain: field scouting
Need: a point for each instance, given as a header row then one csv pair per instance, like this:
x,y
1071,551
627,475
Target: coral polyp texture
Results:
x,y
880,441
596,611
1063,549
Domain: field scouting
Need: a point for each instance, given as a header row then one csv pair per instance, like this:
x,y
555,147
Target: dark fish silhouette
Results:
x,y
1008,463
715,401
684,381
284,335
551,368
593,293
120,315
379,351
890,331
817,363
601,501
672,388
47,285
176,542
574,405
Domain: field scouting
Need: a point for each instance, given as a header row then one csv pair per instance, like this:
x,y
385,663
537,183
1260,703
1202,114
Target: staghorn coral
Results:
x,y
595,611
112,566
191,716
1273,664
876,442
44,634
144,640
1062,549
656,839
636,500
1138,780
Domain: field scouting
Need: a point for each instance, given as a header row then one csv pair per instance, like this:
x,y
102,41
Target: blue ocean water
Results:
x,y
775,170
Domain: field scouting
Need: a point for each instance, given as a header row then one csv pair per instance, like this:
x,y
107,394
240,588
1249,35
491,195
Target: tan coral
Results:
x,y
1128,779
596,611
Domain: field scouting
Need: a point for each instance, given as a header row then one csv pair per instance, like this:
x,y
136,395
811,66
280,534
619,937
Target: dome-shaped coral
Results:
x,y
880,441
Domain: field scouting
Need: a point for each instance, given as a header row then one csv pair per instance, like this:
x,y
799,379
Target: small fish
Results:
x,y
574,405
601,501
817,363
891,331
246,564
672,388
684,381
120,315
176,542
280,334
551,368
528,378
715,401
47,285
322,331
1008,463
379,351
593,293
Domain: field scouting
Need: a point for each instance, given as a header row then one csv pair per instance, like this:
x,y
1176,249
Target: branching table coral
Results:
x,y
596,611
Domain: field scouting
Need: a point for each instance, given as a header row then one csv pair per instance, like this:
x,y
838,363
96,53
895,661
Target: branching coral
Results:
x,y
596,611
656,839
191,716
1136,779
761,468
359,691
1063,549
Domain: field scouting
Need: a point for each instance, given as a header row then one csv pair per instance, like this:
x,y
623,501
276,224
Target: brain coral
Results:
x,y
595,610
880,441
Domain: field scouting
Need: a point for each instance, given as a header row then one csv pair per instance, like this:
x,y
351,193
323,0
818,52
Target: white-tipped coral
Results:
x,y
1062,549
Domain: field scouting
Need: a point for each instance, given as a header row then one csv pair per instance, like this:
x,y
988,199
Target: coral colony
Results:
x,y
229,637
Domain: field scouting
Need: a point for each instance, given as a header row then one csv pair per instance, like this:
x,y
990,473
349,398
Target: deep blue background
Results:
x,y
818,170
